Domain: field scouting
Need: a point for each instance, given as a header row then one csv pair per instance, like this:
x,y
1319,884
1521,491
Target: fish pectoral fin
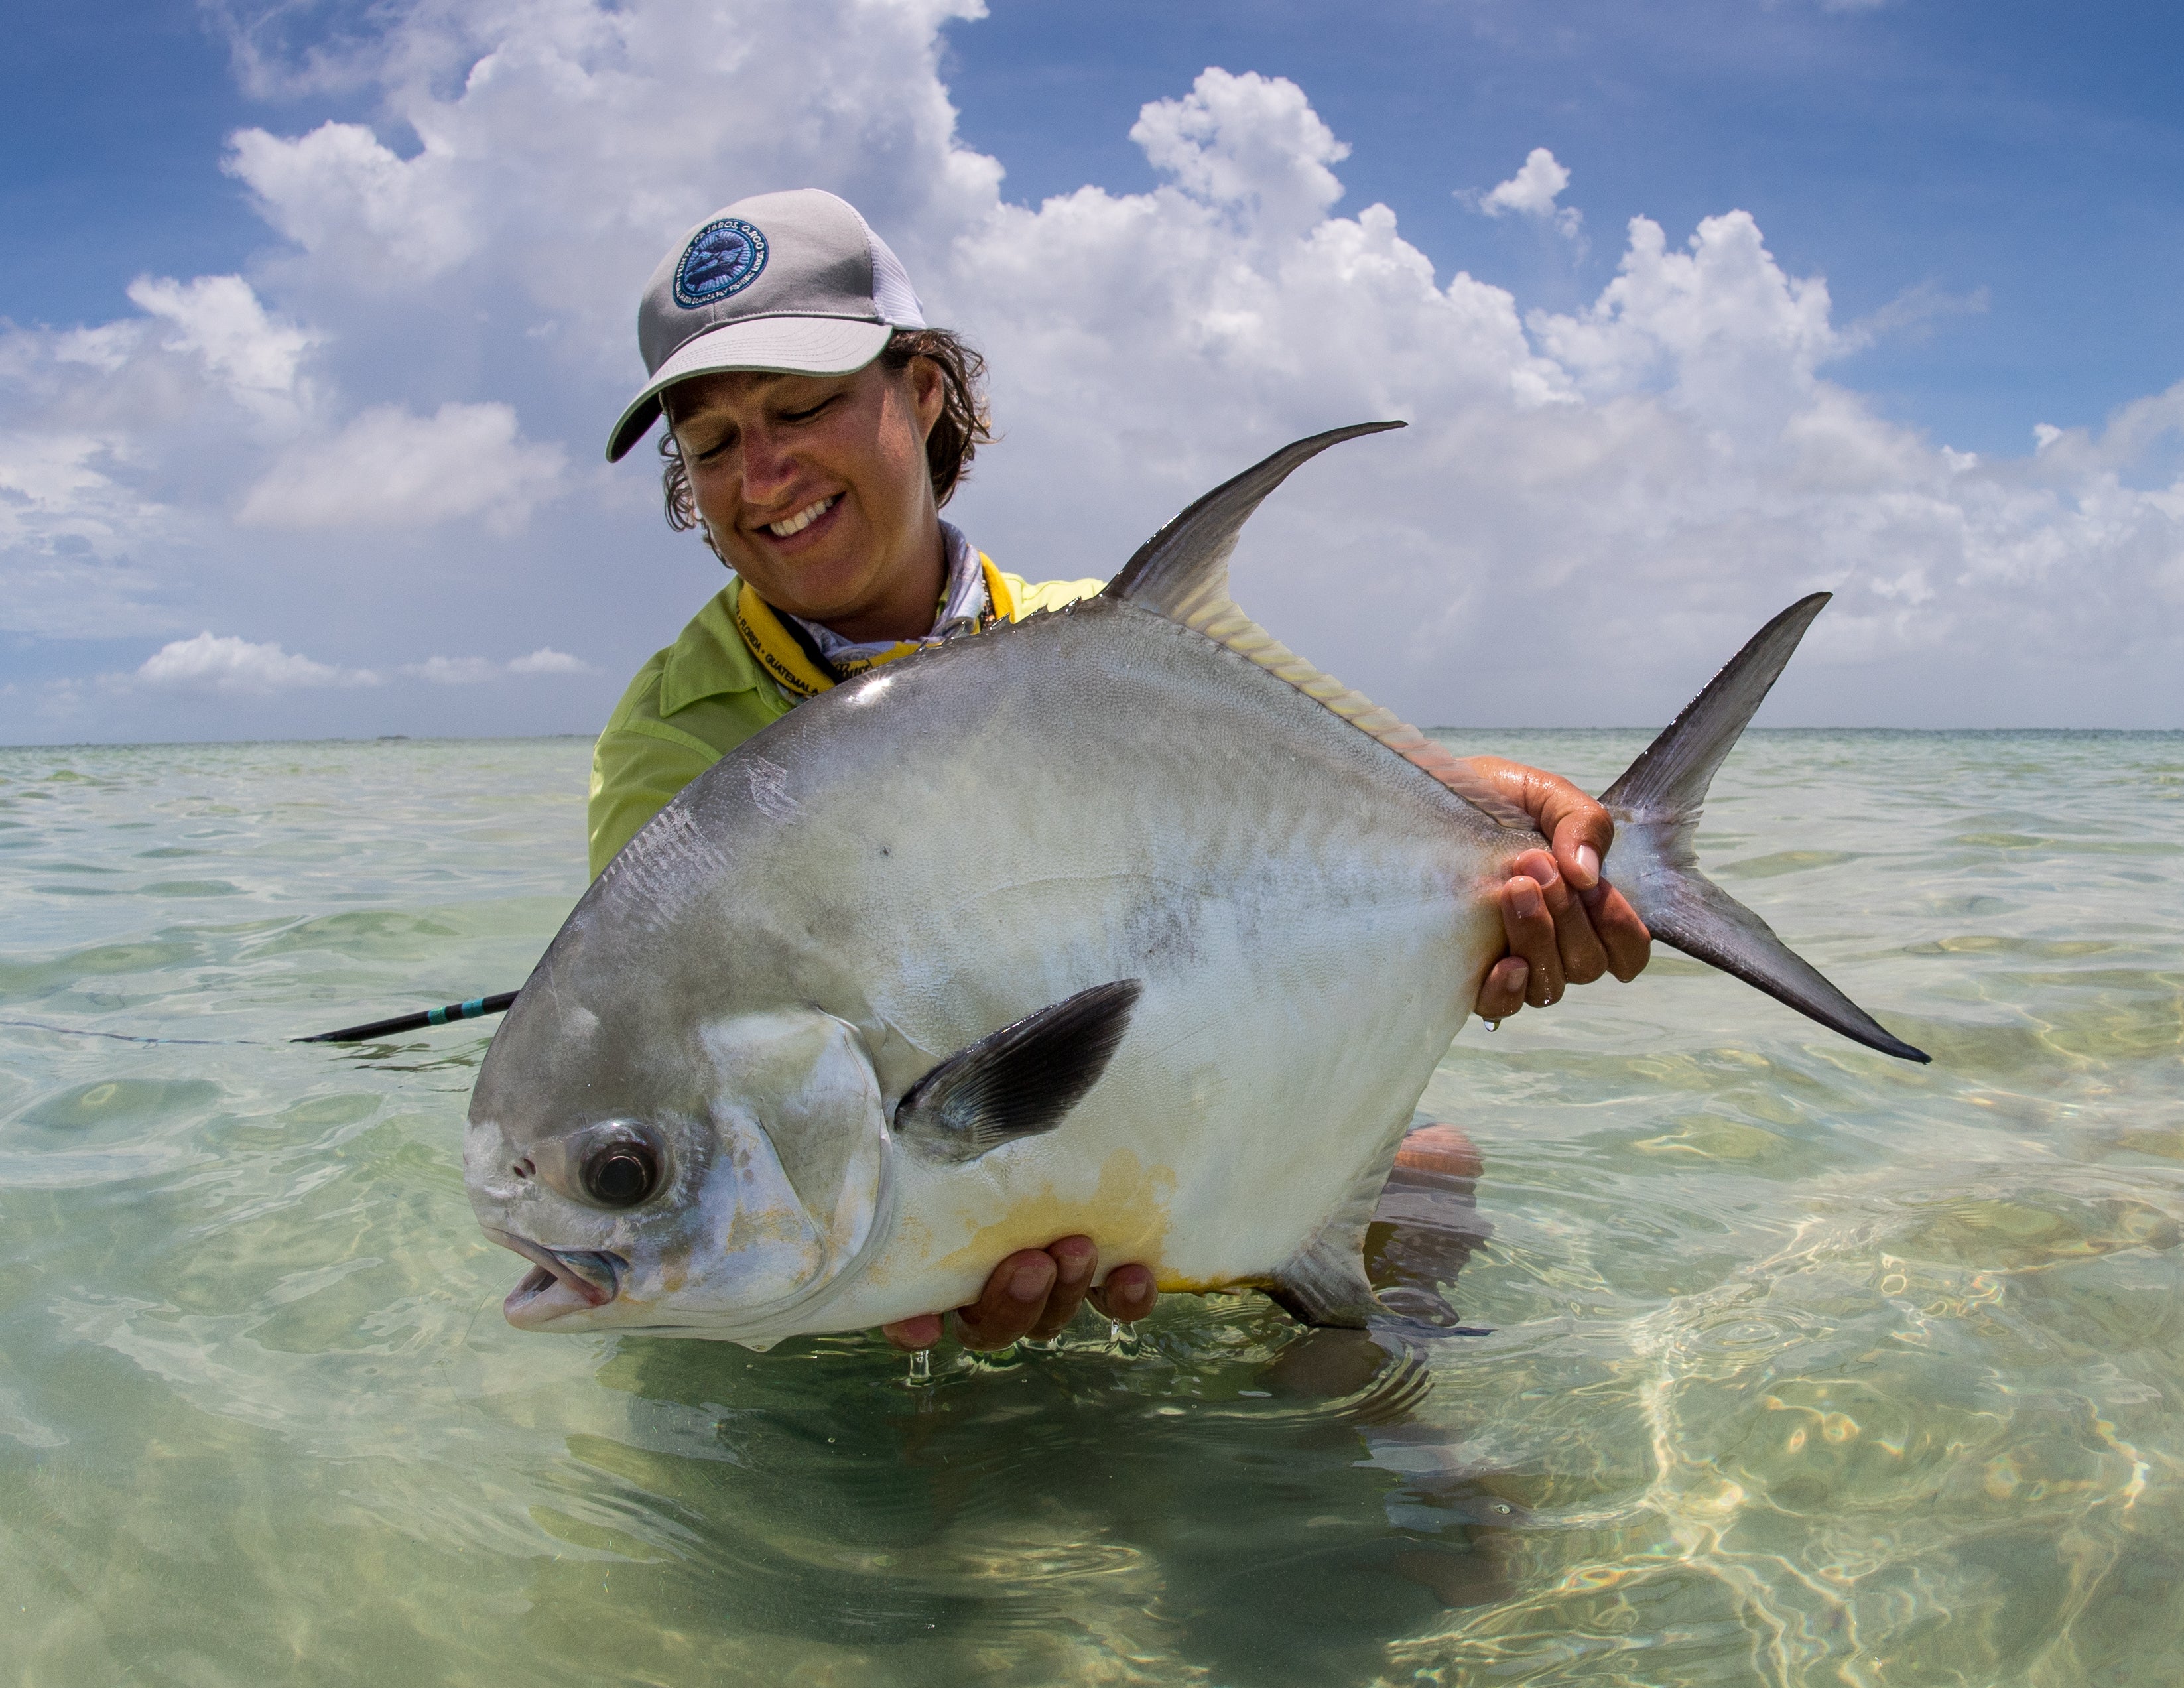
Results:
x,y
1019,1081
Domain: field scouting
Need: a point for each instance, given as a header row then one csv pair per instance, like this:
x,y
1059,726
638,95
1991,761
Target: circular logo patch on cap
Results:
x,y
723,259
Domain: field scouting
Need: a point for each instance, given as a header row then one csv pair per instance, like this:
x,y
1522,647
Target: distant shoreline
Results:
x,y
1437,731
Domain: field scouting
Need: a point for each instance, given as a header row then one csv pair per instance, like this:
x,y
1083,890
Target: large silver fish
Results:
x,y
1123,921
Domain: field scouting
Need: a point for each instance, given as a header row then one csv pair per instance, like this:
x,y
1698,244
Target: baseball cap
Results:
x,y
796,282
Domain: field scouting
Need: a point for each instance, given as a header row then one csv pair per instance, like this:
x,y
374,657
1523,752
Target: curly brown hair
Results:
x,y
964,425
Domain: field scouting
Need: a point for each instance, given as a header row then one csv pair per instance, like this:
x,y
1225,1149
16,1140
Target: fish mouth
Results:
x,y
560,1280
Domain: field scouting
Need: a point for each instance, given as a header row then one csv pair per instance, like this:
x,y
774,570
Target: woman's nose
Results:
x,y
768,468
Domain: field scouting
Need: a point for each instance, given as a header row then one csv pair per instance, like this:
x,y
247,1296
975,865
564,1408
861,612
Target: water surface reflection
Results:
x,y
1799,1368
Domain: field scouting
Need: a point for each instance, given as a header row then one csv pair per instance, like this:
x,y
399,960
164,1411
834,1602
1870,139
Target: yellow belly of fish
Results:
x,y
1126,1213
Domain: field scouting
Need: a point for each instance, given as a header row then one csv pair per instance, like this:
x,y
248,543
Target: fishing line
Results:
x,y
447,1015
132,1038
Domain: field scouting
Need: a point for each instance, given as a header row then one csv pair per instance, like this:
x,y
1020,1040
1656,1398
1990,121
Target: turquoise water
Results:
x,y
1805,1366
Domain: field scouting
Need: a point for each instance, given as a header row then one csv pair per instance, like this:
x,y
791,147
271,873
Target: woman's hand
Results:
x,y
1566,925
1034,1293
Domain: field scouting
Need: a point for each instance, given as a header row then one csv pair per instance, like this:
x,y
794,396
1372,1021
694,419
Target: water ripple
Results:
x,y
1797,1366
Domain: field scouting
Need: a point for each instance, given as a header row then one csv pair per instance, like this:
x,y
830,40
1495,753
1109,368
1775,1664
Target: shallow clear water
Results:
x,y
1805,1366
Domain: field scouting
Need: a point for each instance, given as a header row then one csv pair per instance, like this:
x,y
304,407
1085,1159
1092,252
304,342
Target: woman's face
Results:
x,y
816,489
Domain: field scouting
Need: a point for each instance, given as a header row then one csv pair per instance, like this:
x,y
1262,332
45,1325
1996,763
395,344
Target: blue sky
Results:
x,y
2027,158
1992,196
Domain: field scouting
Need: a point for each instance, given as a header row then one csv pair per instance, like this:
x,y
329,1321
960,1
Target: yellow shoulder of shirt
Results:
x,y
695,701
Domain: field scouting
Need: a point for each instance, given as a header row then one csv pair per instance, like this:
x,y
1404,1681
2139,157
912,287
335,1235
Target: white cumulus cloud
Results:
x,y
213,662
1532,192
561,144
547,661
220,320
475,671
1250,142
388,468
350,201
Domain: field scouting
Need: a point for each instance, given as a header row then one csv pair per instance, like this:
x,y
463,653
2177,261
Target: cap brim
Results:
x,y
780,345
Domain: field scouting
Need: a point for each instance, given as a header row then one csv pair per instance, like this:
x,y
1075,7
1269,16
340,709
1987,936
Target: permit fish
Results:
x,y
1123,919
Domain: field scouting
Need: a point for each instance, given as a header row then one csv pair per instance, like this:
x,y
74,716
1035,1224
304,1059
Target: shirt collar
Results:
x,y
963,605
711,658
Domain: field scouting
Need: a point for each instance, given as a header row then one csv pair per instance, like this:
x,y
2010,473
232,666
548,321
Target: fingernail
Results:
x,y
1588,862
1547,873
1075,1263
1528,901
1029,1283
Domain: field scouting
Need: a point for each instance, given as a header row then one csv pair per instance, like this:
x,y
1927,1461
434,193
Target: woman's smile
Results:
x,y
803,519
809,527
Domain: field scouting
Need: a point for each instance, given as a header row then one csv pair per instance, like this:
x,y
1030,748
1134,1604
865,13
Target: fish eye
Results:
x,y
621,1173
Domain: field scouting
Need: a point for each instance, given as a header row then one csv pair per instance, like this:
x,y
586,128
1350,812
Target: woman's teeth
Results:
x,y
803,518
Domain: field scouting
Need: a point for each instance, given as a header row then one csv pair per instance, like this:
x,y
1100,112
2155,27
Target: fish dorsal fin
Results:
x,y
1181,573
1019,1081
1186,564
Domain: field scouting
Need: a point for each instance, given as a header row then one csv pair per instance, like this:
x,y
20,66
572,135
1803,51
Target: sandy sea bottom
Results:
x,y
1804,1366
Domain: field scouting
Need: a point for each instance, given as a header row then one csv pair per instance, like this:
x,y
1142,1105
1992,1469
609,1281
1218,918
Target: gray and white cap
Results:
x,y
796,283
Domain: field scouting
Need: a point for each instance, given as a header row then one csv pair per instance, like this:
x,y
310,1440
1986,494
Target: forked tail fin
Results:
x,y
1654,862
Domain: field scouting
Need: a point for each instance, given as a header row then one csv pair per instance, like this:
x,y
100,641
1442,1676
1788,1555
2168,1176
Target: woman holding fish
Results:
x,y
816,426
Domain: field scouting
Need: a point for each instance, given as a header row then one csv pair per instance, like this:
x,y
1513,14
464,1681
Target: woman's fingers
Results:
x,y
1075,1260
1559,937
910,1335
1127,1295
1568,937
1583,959
1502,994
1623,936
1014,1298
1596,930
1582,830
1036,1293
1530,929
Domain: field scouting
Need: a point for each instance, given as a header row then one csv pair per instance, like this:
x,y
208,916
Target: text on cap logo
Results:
x,y
723,259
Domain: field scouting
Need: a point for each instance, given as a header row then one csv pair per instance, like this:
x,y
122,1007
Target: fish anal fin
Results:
x,y
1323,1283
1020,1081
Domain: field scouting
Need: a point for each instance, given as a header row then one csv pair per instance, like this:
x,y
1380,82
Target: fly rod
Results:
x,y
476,1008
